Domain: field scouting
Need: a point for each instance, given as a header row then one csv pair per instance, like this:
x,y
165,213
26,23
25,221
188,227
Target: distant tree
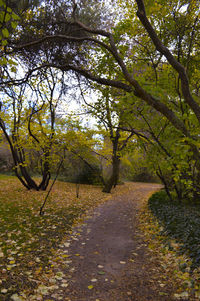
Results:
x,y
81,146
109,116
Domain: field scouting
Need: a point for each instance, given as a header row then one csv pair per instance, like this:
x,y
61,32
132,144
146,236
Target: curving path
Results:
x,y
106,258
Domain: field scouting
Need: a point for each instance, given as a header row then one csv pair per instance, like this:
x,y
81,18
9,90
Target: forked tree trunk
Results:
x,y
46,173
114,178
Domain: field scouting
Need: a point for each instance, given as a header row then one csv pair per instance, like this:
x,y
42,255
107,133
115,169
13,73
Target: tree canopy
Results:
x,y
146,53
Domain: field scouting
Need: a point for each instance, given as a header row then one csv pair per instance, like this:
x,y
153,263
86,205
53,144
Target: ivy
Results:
x,y
181,222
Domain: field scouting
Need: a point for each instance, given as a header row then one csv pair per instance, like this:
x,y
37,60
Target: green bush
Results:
x,y
145,176
85,175
89,176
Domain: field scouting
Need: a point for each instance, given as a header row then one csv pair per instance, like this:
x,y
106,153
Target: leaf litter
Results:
x,y
30,244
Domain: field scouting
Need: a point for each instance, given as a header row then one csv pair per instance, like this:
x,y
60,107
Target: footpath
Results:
x,y
106,258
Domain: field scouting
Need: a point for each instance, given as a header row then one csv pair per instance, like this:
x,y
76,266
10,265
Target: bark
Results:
x,y
162,178
114,178
46,175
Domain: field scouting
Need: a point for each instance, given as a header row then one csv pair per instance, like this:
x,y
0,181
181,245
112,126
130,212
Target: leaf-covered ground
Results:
x,y
172,230
102,258
33,249
28,241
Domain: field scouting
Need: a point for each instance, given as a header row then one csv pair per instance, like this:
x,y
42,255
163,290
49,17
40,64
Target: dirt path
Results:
x,y
106,259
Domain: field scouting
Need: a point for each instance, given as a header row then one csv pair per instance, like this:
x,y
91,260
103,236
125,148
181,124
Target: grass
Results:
x,y
27,240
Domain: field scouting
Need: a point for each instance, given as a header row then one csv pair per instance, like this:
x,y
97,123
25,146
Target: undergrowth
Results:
x,y
179,221
172,230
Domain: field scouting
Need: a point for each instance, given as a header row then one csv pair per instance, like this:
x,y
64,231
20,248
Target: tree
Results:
x,y
28,123
110,122
165,152
131,85
81,164
176,54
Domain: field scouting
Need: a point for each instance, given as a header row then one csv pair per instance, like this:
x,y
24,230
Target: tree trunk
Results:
x,y
162,178
113,180
45,181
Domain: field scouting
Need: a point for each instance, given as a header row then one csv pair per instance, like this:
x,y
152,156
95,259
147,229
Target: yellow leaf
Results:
x,y
38,271
90,287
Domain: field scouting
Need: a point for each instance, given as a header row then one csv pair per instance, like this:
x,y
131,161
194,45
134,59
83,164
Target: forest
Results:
x,y
137,78
102,93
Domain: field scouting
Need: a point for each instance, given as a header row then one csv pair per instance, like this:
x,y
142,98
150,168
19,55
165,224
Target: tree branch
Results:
x,y
171,59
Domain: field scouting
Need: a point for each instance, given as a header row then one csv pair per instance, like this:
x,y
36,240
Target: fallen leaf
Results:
x,y
90,287
182,296
64,284
93,280
67,244
162,284
162,294
43,290
16,297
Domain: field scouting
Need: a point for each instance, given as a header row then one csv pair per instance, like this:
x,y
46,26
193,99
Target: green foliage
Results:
x,y
167,151
8,23
179,221
134,167
145,175
165,148
88,175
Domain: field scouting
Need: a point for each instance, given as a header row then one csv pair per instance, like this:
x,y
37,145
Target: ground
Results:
x,y
106,259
